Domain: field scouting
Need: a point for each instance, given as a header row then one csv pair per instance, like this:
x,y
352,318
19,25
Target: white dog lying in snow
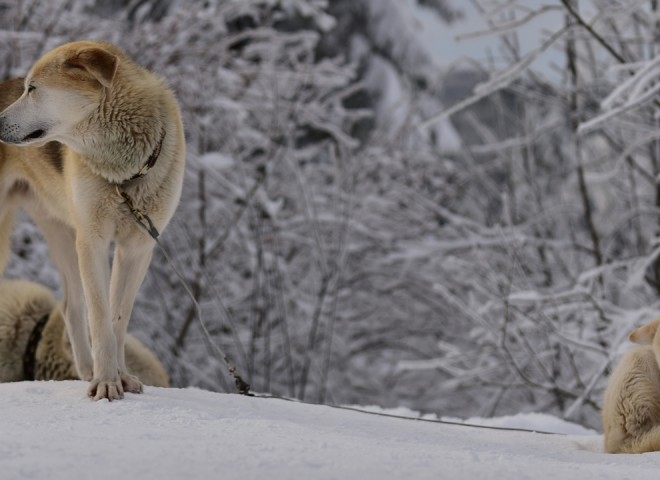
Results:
x,y
631,411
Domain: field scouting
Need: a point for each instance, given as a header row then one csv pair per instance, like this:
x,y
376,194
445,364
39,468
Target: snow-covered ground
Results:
x,y
50,430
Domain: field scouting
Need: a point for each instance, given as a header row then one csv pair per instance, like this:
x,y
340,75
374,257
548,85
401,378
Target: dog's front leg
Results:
x,y
129,267
94,270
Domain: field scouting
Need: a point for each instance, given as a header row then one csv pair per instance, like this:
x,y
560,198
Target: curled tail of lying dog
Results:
x,y
22,306
631,411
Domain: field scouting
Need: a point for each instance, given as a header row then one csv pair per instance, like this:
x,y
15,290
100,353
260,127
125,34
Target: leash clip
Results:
x,y
140,217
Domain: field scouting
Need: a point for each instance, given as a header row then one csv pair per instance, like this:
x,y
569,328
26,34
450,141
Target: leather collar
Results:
x,y
151,161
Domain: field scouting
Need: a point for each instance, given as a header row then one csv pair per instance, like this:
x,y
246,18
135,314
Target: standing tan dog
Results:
x,y
90,122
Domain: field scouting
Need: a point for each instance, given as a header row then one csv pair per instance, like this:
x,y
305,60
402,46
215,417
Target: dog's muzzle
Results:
x,y
11,133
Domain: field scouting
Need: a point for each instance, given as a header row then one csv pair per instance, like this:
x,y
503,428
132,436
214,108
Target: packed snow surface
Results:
x,y
51,430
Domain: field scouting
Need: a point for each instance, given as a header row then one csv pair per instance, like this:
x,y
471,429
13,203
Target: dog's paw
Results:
x,y
131,383
112,390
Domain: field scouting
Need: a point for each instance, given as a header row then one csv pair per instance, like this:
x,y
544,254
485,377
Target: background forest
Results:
x,y
360,225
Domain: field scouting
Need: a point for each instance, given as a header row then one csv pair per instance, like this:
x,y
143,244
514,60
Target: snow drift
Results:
x,y
52,430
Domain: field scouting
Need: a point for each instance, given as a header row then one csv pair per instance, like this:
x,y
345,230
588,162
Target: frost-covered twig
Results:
x,y
631,94
592,124
578,18
643,75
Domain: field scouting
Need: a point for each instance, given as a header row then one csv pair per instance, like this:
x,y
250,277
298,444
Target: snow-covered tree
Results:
x,y
353,232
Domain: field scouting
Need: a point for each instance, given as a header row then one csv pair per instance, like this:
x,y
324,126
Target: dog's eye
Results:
x,y
31,88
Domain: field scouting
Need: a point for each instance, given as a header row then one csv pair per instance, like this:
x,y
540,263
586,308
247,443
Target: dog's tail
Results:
x,y
6,223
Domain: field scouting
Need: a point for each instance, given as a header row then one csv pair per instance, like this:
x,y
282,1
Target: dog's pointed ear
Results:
x,y
96,61
644,335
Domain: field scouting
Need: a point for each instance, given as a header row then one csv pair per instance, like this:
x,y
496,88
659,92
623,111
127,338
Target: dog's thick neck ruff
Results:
x,y
123,134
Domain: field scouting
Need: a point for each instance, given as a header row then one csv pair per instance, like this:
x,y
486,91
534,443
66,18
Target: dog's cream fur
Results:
x,y
85,119
631,411
22,304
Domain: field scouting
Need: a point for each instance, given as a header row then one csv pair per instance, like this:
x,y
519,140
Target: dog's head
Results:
x,y
61,90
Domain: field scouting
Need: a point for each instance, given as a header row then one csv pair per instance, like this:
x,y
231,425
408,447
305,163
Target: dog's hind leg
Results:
x,y
129,267
61,242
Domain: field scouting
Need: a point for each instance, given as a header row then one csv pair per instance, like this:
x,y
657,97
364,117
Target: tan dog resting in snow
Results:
x,y
34,344
631,411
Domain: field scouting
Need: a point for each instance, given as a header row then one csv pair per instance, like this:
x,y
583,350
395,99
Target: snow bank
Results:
x,y
51,430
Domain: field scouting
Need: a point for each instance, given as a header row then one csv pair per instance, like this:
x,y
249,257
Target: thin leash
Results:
x,y
241,385
147,224
269,396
